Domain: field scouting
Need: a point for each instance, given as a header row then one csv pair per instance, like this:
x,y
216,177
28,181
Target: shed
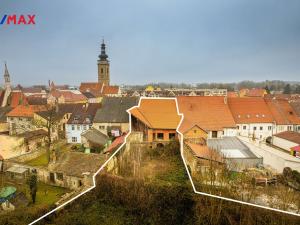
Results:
x,y
17,172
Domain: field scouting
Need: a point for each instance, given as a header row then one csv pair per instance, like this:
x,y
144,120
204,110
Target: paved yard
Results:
x,y
271,156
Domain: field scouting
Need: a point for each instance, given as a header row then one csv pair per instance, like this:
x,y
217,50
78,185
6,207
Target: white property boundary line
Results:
x,y
186,167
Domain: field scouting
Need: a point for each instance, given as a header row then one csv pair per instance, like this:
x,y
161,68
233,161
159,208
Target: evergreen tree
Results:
x,y
267,89
287,89
297,90
32,183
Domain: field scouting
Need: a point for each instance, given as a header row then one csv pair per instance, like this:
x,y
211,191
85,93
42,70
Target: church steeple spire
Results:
x,y
103,66
6,76
103,56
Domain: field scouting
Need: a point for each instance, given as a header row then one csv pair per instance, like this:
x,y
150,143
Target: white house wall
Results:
x,y
263,130
78,130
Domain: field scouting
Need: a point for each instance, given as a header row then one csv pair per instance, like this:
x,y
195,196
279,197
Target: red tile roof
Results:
x,y
282,112
17,98
108,90
69,96
25,110
91,87
99,89
116,143
250,110
208,112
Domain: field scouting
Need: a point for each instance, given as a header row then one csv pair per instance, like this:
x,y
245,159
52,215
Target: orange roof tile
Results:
x,y
25,110
110,90
208,112
232,94
250,110
282,111
157,113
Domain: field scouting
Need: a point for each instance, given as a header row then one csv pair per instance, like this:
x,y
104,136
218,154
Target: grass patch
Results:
x,y
47,194
177,173
38,161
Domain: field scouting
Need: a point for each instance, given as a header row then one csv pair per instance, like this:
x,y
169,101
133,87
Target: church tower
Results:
x,y
6,78
7,86
103,67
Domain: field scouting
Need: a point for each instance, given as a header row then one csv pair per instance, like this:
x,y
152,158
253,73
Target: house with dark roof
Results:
x,y
112,118
74,169
80,120
94,138
58,116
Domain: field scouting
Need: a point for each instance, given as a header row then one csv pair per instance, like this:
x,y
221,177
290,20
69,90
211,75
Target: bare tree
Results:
x,y
48,120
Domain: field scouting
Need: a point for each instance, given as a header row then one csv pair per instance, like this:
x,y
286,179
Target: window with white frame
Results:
x,y
74,139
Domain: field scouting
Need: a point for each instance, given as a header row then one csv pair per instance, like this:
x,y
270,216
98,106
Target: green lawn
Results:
x,y
47,194
39,161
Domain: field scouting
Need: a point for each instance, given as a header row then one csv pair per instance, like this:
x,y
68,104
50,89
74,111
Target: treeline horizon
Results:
x,y
290,87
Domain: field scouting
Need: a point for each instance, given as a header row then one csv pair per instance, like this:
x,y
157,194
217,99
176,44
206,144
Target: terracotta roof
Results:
x,y
232,94
17,98
69,95
116,143
282,111
25,110
208,112
204,152
296,106
157,113
1,97
250,110
256,92
36,101
91,87
110,90
290,136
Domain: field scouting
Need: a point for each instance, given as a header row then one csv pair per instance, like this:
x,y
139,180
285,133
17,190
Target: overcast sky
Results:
x,y
187,41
